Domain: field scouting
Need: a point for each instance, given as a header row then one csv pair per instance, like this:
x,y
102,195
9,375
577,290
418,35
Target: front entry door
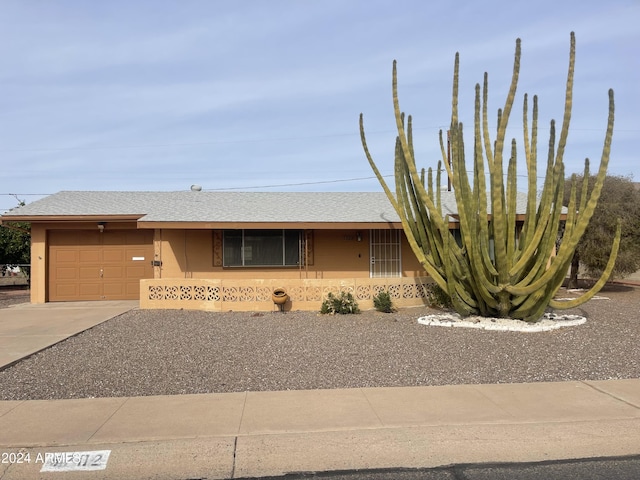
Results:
x,y
385,255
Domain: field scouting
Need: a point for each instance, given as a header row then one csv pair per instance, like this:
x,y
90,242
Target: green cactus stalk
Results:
x,y
503,266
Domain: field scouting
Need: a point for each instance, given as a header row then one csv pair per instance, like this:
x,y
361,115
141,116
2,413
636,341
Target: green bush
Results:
x,y
382,302
437,297
342,303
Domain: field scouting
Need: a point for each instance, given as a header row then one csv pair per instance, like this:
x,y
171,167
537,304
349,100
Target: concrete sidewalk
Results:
x,y
28,328
256,434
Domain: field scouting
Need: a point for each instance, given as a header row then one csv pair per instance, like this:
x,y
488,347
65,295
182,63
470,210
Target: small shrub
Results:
x,y
382,302
343,303
437,297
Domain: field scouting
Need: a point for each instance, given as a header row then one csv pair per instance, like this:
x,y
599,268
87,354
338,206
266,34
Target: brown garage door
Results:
x,y
88,265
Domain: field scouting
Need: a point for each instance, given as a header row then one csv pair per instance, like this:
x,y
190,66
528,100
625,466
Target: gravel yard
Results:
x,y
154,352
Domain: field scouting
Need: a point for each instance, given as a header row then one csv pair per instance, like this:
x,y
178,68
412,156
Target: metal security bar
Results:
x,y
385,254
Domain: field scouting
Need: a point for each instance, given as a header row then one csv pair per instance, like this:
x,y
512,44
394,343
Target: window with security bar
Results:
x,y
385,248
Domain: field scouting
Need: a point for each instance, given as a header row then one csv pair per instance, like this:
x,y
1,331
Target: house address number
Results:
x,y
60,461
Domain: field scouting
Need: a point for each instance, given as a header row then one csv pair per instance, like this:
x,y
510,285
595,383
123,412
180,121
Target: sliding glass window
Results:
x,y
262,248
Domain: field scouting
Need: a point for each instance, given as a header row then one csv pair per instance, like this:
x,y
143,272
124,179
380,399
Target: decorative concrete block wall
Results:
x,y
255,295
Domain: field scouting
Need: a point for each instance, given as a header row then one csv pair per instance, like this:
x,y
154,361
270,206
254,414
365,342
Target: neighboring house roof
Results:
x,y
223,207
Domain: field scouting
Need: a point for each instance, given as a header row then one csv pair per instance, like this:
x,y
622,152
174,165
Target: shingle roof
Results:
x,y
316,207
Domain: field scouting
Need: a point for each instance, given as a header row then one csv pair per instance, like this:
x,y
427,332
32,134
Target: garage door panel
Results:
x,y
92,255
88,273
66,290
113,273
66,273
88,265
134,271
90,290
113,255
113,291
66,256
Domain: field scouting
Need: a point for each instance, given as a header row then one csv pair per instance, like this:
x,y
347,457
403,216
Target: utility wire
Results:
x,y
342,180
296,184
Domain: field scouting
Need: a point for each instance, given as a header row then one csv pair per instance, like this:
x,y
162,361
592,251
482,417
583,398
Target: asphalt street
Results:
x,y
620,468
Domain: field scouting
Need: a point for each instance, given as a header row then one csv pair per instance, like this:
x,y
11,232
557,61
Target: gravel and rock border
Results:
x,y
158,352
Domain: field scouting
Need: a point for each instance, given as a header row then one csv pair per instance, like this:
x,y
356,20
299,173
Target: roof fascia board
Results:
x,y
270,225
68,218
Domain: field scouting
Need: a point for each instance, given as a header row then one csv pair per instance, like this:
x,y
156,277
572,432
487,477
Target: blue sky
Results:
x,y
159,95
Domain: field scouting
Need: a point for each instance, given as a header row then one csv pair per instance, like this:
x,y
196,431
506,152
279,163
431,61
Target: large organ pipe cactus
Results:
x,y
502,265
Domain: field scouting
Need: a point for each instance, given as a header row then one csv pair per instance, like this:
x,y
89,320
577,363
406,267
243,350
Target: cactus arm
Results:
x,y
604,278
485,120
460,297
413,178
483,219
480,219
564,132
417,220
468,207
544,208
421,214
531,154
374,167
498,217
422,256
435,216
585,216
438,188
512,200
545,267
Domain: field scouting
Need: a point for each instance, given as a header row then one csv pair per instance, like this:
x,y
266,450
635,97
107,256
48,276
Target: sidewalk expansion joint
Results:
x,y
108,418
364,393
12,409
609,394
233,465
244,406
235,439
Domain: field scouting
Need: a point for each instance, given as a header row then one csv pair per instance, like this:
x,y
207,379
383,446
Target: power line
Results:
x,y
297,184
342,180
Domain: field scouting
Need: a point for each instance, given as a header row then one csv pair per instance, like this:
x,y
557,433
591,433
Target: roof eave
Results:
x,y
268,225
68,218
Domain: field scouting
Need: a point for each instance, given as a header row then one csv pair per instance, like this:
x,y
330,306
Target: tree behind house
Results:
x,y
15,243
620,199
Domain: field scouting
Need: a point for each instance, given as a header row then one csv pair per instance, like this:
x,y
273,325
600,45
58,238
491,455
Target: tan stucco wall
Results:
x,y
194,262
410,265
38,263
336,254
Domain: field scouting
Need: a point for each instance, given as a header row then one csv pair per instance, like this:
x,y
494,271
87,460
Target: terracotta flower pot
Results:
x,y
279,296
